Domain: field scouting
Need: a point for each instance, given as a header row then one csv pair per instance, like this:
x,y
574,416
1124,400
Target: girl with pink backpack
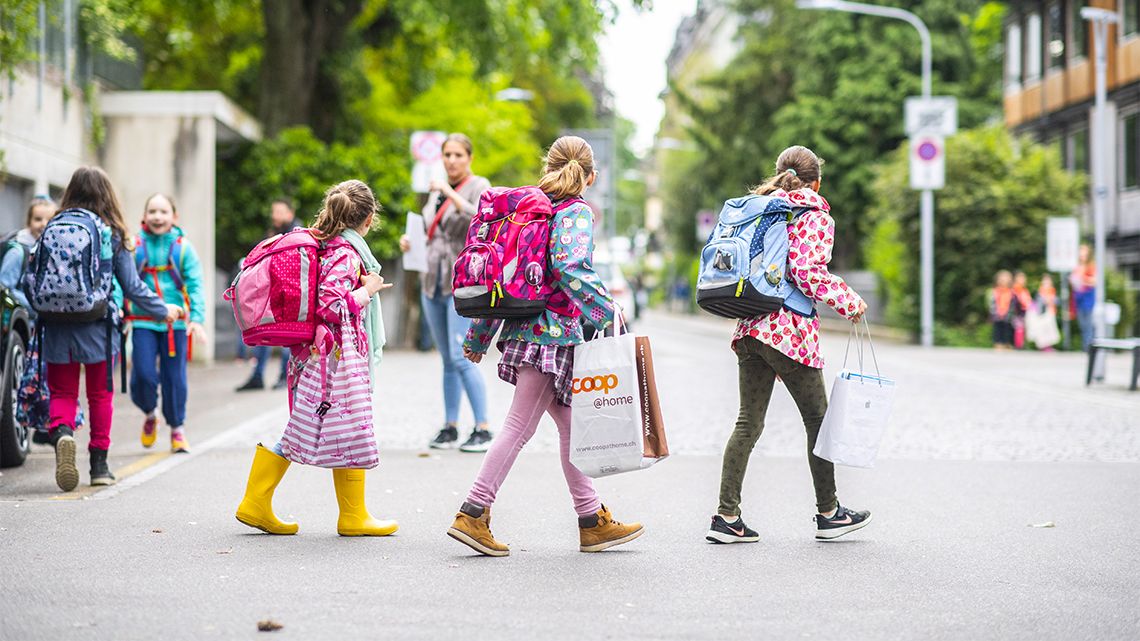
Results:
x,y
330,374
538,358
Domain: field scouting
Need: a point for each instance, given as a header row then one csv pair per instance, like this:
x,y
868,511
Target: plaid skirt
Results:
x,y
555,360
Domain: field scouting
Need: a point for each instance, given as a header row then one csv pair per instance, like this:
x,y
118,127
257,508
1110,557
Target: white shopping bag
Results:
x,y
608,432
857,415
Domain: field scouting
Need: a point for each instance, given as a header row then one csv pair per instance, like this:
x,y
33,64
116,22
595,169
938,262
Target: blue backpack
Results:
x,y
71,274
744,265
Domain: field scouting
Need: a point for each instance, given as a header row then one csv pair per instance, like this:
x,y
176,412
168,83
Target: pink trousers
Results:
x,y
534,395
63,382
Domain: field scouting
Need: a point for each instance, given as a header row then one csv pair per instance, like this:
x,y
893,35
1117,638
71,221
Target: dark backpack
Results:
x,y
71,275
8,243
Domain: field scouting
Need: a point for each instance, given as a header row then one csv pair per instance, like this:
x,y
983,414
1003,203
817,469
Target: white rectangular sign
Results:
x,y
927,162
415,259
937,115
1062,240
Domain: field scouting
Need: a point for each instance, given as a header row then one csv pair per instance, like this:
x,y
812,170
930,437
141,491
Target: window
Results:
x,y
1130,179
1013,55
1056,35
1130,20
1079,42
1079,150
1033,47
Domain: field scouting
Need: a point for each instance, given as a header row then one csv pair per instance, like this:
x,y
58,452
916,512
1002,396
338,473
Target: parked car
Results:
x,y
15,332
619,287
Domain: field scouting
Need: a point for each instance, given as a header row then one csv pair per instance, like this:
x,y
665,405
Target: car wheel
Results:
x,y
15,441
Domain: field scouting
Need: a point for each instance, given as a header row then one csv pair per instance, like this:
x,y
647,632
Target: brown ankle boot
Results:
x,y
472,527
600,531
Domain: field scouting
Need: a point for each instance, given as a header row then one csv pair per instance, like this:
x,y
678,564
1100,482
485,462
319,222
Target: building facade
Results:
x,y
1049,91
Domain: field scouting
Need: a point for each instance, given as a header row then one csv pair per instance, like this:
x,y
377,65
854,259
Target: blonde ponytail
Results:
x,y
347,205
569,166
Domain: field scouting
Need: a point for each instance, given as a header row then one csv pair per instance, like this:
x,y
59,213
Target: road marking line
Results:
x,y
148,469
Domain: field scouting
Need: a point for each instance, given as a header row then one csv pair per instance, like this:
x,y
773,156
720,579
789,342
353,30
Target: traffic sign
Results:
x,y
427,153
1062,241
927,162
937,115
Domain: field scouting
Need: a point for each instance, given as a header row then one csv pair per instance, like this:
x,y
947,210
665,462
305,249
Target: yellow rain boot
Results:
x,y
354,517
256,509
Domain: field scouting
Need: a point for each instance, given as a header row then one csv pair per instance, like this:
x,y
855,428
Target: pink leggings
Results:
x,y
63,382
534,394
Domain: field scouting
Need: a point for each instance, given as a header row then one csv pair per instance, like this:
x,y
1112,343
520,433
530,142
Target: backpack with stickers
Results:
x,y
744,265
502,271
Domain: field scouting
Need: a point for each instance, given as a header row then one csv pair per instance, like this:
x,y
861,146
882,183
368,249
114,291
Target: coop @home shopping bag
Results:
x,y
857,414
615,420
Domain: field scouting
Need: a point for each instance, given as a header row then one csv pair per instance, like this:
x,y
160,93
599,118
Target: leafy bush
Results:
x,y
991,216
297,165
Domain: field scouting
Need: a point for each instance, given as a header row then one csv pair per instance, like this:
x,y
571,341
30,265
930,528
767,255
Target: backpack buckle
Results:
x,y
484,230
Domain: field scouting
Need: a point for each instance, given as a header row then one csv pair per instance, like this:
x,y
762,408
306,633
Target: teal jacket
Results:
x,y
157,256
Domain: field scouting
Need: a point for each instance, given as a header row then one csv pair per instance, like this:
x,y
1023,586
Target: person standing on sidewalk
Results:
x,y
785,345
1083,282
447,214
1002,305
538,358
1023,304
89,213
170,266
284,219
348,286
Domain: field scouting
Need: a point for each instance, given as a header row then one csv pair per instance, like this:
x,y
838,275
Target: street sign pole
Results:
x,y
927,247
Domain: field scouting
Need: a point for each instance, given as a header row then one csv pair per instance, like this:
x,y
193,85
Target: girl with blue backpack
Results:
x,y
83,250
169,265
785,345
538,356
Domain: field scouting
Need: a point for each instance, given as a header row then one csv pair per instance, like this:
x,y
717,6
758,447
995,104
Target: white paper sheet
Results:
x,y
415,259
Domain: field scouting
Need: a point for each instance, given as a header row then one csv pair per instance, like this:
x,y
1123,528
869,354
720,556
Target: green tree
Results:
x,y
992,219
834,82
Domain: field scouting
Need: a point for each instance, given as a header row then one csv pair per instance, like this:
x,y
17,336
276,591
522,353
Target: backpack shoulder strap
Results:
x,y
177,255
567,203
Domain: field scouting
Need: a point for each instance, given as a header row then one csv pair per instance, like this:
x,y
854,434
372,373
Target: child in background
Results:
x,y
18,249
1046,307
1001,305
169,266
89,202
348,287
1023,304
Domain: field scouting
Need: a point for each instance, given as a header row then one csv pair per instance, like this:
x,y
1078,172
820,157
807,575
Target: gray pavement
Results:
x,y
982,446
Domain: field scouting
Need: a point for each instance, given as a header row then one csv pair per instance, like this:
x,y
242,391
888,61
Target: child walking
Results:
x,y
538,358
785,345
18,249
77,327
349,281
169,265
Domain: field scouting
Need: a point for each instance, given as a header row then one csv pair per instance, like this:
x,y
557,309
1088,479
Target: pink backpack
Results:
x,y
502,271
275,294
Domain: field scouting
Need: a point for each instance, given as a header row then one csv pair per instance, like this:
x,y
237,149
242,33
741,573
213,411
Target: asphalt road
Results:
x,y
982,448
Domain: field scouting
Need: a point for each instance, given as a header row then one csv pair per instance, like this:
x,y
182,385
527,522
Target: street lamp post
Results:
x,y
926,203
1100,18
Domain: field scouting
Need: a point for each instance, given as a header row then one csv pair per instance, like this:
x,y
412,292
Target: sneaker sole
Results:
x,y
605,545
475,449
827,535
102,481
720,537
66,474
463,538
444,446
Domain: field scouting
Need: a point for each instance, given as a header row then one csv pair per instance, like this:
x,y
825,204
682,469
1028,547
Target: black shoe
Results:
x,y
841,523
722,531
479,441
281,383
447,438
41,437
66,474
100,473
254,383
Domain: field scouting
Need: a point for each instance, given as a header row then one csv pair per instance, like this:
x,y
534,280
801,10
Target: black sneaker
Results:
x,y
66,474
254,383
843,522
41,437
100,472
722,531
479,441
447,438
281,383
